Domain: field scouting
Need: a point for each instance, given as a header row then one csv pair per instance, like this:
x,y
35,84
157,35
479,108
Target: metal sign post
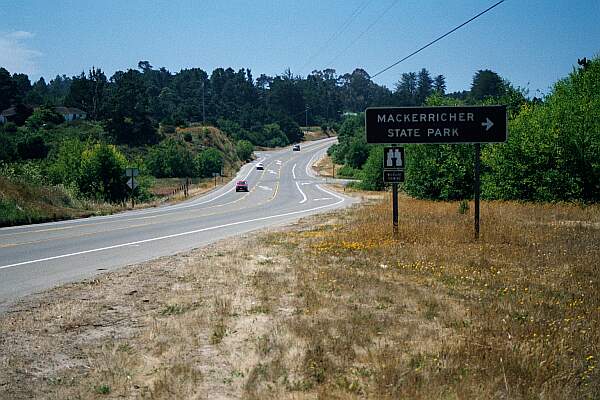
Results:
x,y
395,208
393,172
131,173
435,125
477,187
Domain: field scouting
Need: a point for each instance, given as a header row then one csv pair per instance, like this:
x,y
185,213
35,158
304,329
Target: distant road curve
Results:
x,y
37,257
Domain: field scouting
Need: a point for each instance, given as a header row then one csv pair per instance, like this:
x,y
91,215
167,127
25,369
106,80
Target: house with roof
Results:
x,y
8,115
70,113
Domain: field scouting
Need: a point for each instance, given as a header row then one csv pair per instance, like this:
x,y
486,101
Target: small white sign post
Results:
x,y
131,173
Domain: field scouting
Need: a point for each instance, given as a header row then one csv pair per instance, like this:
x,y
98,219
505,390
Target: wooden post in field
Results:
x,y
477,187
395,207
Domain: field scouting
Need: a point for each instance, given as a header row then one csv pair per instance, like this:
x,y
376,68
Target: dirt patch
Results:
x,y
176,327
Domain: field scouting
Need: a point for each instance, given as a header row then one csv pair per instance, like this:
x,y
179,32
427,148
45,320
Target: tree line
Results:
x,y
552,152
266,110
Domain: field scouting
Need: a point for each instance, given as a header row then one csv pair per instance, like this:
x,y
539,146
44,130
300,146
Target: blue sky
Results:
x,y
532,43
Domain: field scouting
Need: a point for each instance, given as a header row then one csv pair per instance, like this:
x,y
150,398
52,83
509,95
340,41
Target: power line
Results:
x,y
438,39
364,32
335,35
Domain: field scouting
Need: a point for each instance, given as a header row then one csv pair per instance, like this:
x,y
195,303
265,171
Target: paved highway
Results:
x,y
37,257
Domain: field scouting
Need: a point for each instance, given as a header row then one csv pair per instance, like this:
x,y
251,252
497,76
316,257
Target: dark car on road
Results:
x,y
241,186
296,147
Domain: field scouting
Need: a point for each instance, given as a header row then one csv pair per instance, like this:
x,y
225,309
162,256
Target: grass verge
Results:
x,y
334,308
433,313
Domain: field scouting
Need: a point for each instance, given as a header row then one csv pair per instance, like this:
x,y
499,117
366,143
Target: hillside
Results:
x,y
22,203
36,190
203,137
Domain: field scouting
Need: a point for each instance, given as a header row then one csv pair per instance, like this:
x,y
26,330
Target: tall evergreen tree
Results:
x,y
439,84
487,83
22,86
7,89
406,89
424,86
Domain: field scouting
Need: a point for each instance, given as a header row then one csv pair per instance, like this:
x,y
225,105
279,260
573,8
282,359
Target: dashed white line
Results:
x,y
341,200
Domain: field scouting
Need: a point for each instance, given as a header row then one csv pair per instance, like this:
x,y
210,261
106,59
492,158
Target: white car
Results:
x,y
260,166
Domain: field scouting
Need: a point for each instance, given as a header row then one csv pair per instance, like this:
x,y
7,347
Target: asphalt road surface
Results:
x,y
37,257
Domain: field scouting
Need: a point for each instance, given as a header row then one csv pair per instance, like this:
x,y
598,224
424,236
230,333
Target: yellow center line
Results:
x,y
117,229
275,192
73,226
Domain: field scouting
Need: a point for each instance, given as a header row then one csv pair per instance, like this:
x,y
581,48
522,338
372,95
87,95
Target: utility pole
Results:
x,y
306,117
203,109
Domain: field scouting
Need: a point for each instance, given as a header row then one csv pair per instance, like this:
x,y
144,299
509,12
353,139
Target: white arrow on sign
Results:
x,y
488,124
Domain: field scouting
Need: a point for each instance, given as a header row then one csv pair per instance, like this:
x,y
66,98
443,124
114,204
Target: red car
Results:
x,y
241,186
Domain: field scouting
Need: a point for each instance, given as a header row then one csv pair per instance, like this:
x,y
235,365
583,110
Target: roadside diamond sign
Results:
x,y
132,183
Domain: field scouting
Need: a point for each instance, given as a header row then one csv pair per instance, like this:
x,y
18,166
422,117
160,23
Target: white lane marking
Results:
x,y
311,162
330,193
265,188
294,171
323,198
306,183
135,215
302,193
139,214
116,246
131,215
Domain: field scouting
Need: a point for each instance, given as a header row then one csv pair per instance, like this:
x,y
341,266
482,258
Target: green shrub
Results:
x,y
187,137
244,150
31,172
463,207
439,171
170,159
347,171
12,214
208,161
357,153
43,117
102,173
32,147
8,148
372,173
553,149
66,165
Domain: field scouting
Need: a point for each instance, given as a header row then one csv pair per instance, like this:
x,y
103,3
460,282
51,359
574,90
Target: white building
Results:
x,y
70,113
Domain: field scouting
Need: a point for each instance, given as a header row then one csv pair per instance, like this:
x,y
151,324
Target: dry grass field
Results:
x,y
435,314
334,307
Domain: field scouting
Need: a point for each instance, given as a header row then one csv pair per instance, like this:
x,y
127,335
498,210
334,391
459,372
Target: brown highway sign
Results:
x,y
430,125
